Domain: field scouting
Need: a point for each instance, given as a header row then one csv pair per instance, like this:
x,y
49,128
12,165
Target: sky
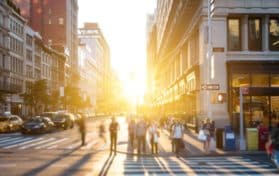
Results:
x,y
123,23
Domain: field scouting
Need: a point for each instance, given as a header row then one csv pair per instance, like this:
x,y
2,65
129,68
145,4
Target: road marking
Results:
x,y
4,138
89,145
32,145
15,141
23,143
7,165
9,139
52,143
74,145
52,147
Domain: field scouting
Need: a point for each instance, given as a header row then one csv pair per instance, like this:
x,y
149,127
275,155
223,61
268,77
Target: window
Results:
x,y
260,80
61,21
240,80
274,80
29,55
274,34
28,40
234,34
255,34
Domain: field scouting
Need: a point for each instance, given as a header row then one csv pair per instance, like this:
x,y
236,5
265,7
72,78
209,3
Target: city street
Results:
x,y
60,154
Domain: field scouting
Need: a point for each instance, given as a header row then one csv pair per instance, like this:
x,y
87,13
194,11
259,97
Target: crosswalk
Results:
x,y
233,165
21,142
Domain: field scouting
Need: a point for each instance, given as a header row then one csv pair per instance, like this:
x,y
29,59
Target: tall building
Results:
x,y
92,36
56,21
244,53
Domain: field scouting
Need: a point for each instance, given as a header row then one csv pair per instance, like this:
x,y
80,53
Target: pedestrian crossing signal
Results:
x,y
221,97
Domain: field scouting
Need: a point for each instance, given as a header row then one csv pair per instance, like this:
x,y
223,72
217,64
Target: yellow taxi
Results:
x,y
10,123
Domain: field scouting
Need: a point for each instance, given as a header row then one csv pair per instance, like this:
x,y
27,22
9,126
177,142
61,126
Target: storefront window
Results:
x,y
240,80
274,34
274,80
260,80
260,110
274,109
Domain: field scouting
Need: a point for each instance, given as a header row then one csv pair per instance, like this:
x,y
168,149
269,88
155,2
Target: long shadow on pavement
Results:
x,y
107,165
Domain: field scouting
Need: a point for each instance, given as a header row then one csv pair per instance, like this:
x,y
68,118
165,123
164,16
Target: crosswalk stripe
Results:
x,y
4,138
15,141
52,147
23,143
197,166
74,145
10,139
37,143
52,143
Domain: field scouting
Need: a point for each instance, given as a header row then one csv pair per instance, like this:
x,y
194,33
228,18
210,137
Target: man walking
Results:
x,y
82,129
178,131
140,133
154,137
113,128
131,129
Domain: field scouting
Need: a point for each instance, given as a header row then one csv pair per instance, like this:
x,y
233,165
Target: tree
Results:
x,y
37,96
72,99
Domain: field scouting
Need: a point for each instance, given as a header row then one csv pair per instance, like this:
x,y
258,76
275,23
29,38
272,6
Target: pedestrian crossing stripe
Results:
x,y
172,165
37,143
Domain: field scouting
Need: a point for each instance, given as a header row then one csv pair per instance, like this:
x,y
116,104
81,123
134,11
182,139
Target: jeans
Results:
x,y
177,145
113,140
154,146
131,137
141,144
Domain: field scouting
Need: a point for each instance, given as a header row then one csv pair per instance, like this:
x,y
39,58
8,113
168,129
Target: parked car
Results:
x,y
10,123
50,115
64,120
38,125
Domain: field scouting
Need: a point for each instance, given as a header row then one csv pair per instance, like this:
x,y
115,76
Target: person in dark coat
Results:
x,y
82,129
113,128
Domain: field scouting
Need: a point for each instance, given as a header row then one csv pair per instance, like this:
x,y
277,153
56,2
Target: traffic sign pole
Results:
x,y
241,129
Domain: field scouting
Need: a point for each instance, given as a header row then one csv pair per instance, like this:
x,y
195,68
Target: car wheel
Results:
x,y
66,126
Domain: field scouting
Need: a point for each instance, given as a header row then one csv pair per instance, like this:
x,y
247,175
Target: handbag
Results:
x,y
202,136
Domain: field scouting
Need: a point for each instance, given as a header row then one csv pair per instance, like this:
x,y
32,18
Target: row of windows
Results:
x,y
29,55
17,82
60,21
16,27
255,80
16,65
16,46
3,61
46,71
255,33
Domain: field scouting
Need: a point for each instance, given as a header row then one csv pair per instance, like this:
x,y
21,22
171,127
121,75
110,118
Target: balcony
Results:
x,y
10,88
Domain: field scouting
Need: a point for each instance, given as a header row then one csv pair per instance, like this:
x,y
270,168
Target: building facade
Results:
x,y
92,36
244,53
24,59
56,21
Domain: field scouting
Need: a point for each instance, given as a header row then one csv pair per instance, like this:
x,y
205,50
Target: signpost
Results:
x,y
210,87
242,91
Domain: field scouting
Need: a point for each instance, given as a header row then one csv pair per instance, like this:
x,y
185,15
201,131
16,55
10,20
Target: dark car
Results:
x,y
50,115
64,120
38,125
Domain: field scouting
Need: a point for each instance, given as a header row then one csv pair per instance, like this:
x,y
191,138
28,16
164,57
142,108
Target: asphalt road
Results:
x,y
60,154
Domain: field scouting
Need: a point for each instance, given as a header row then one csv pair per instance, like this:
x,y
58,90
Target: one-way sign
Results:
x,y
210,87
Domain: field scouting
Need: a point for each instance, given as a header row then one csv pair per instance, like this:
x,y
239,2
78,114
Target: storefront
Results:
x,y
261,103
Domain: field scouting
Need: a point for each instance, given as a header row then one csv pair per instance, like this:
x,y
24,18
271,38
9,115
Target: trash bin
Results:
x,y
230,142
252,138
219,138
263,137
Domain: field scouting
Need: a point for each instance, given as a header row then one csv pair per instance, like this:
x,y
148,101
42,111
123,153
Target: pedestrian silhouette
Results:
x,y
82,129
113,128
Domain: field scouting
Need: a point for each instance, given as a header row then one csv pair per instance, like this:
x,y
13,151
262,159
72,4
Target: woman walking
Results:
x,y
154,137
207,128
177,136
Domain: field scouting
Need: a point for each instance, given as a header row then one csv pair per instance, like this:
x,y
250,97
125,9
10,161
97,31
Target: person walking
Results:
x,y
131,129
141,133
82,129
113,128
207,128
102,132
154,137
177,136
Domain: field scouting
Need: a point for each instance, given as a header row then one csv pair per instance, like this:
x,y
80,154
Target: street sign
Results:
x,y
244,90
210,87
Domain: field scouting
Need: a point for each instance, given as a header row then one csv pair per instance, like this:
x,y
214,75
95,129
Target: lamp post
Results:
x,y
209,54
